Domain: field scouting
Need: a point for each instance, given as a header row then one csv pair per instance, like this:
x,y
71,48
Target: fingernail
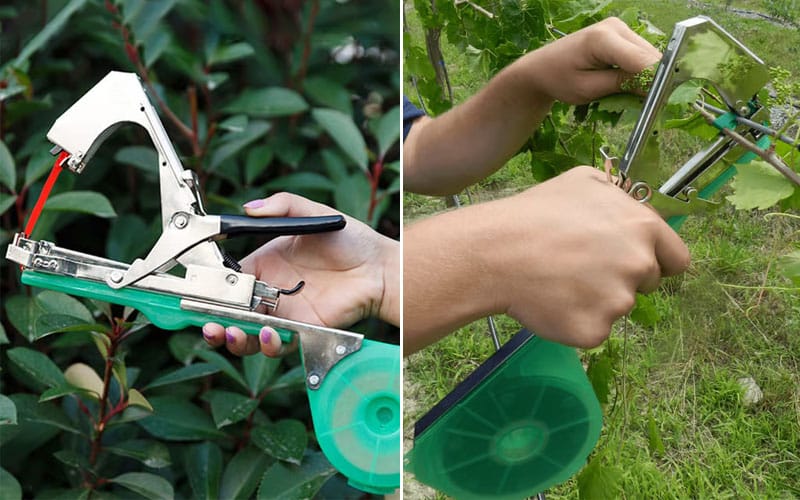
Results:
x,y
229,335
254,204
206,334
266,335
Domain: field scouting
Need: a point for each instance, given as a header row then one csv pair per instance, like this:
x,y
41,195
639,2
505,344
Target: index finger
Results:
x,y
672,254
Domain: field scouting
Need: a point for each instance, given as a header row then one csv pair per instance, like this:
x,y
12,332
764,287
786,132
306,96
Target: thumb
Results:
x,y
286,205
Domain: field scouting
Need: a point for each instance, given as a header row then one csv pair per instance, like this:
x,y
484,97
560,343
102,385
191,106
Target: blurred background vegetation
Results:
x,y
258,97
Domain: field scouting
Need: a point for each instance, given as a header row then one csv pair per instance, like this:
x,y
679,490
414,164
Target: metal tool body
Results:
x,y
212,288
699,49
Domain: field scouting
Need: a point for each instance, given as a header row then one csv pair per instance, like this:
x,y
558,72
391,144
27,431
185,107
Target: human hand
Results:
x,y
565,258
350,275
588,64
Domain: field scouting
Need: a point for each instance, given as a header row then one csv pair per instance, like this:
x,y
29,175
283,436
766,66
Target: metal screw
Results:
x,y
340,349
116,276
313,379
744,110
180,221
231,279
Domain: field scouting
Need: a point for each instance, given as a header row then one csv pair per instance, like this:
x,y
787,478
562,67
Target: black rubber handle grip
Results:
x,y
235,225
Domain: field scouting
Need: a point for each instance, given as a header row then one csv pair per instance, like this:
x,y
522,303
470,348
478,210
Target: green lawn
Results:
x,y
732,315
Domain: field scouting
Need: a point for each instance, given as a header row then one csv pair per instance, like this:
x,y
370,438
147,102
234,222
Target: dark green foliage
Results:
x,y
257,97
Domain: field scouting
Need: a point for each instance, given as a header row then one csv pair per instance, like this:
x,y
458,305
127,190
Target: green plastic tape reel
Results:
x,y
356,413
524,421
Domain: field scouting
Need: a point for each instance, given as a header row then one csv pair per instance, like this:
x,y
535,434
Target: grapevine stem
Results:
x,y
768,156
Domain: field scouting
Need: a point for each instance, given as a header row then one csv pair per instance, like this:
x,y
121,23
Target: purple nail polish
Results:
x,y
254,204
266,335
206,334
229,336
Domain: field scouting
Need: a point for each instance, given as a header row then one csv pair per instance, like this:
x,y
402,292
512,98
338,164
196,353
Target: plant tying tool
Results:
x,y
353,383
528,418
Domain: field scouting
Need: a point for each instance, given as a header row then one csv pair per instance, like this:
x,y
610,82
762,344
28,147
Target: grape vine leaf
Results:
x,y
789,266
758,185
599,481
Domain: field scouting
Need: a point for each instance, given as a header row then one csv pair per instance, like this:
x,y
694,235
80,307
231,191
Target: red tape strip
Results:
x,y
48,186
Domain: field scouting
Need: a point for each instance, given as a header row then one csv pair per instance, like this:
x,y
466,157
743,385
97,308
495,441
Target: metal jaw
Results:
x,y
698,49
209,285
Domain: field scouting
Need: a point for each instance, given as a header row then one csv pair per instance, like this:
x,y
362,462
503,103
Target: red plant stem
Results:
x,y
301,71
102,418
374,176
141,70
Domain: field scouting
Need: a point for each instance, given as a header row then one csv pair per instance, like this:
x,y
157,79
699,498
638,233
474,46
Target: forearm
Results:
x,y
445,276
390,302
446,154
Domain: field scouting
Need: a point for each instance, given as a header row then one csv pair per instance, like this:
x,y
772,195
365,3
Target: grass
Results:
x,y
730,316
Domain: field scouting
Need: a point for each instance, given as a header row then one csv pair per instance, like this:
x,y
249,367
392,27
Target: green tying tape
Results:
x,y
728,120
162,310
528,424
356,414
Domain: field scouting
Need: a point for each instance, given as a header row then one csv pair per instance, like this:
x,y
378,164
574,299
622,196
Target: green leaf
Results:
x,y
258,159
352,196
72,459
39,164
237,141
654,437
645,311
29,410
87,202
145,484
37,365
84,377
8,169
61,391
601,375
57,302
328,93
258,371
287,482
759,185
21,311
191,372
51,29
789,266
178,420
6,201
285,440
293,379
184,346
598,481
142,157
230,53
243,473
204,469
341,128
8,411
387,130
223,364
300,181
3,336
619,103
9,486
229,407
268,102
151,453
49,323
135,398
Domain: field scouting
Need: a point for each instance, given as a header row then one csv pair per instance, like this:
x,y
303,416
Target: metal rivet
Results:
x,y
116,276
313,379
340,349
180,221
231,279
